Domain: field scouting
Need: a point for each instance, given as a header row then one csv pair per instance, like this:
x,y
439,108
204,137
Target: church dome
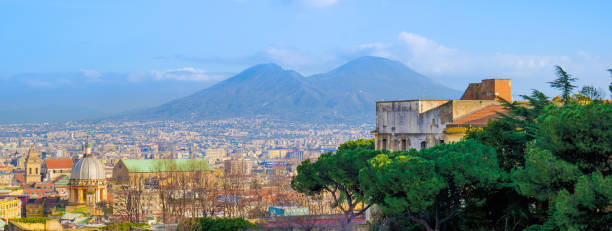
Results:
x,y
88,168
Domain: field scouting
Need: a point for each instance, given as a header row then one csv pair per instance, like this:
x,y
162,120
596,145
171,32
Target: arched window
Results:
x,y
423,144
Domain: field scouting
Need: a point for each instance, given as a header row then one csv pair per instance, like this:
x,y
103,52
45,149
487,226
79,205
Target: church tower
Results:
x,y
32,166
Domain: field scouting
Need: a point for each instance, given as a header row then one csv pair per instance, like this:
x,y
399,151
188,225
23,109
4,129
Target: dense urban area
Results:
x,y
481,162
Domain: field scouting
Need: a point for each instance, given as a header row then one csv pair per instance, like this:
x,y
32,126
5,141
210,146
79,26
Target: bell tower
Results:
x,y
32,166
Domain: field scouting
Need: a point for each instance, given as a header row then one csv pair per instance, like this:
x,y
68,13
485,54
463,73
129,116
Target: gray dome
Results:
x,y
88,168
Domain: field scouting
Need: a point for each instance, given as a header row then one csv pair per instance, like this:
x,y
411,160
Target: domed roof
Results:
x,y
88,168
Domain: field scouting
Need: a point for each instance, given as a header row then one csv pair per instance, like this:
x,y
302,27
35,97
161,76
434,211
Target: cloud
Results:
x,y
90,74
178,74
286,57
455,66
318,3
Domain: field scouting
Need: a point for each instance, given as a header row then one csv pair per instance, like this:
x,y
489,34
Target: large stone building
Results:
x,y
53,168
87,183
419,123
237,167
32,166
143,172
146,177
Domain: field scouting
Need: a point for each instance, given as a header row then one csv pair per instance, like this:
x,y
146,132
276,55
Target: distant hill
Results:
x,y
347,93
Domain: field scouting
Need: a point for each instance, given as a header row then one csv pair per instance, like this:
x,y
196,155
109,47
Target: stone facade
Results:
x,y
405,124
32,167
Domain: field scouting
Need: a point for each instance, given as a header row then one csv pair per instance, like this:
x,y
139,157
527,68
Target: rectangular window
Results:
x,y
404,145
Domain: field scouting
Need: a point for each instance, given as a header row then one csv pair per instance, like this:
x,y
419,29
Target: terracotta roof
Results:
x,y
20,177
58,163
479,118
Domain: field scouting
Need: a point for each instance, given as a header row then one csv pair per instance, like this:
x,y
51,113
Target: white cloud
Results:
x,y
453,66
91,74
179,74
319,3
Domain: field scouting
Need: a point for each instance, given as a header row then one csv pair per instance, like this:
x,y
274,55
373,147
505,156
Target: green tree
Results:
x,y
434,185
510,133
564,84
214,224
590,92
588,208
567,170
610,87
544,175
337,174
579,134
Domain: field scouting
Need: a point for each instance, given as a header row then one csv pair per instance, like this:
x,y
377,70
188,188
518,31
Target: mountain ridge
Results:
x,y
347,93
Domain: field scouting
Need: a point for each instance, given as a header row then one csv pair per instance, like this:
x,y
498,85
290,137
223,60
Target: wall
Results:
x,y
418,121
412,122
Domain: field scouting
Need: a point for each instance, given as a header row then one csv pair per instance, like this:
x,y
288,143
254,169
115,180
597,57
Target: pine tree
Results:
x,y
564,84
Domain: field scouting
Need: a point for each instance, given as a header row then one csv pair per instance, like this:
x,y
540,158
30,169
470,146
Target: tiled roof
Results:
x,y
20,177
479,118
166,165
58,163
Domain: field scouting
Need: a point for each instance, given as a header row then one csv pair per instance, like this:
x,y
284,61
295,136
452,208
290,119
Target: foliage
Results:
x,y
544,175
590,92
432,185
32,219
610,87
564,84
588,208
215,224
579,134
510,134
124,226
337,174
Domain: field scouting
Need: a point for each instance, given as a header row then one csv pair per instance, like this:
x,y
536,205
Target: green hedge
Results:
x,y
124,226
217,224
32,219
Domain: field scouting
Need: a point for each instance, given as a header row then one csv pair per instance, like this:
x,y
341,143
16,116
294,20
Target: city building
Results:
x,y
32,166
87,183
53,168
6,176
10,207
143,172
237,167
38,190
216,154
287,211
405,124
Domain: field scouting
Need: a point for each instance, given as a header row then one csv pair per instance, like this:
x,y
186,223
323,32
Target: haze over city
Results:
x,y
344,115
87,60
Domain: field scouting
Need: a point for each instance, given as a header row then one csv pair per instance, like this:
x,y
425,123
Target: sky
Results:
x,y
203,42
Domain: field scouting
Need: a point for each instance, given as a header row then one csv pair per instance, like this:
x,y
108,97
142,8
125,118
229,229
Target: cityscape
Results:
x,y
306,115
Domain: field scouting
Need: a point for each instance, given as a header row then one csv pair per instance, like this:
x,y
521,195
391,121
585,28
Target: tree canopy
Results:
x,y
434,184
337,174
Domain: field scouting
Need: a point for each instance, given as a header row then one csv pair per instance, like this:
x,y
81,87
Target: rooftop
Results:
x,y
479,118
166,165
58,163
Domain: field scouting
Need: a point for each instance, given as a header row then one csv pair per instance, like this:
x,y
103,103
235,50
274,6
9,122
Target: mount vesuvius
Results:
x,y
347,93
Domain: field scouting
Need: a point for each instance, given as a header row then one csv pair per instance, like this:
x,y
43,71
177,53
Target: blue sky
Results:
x,y
453,42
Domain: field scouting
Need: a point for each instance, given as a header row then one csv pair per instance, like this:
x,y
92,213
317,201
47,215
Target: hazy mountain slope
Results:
x,y
347,93
356,85
262,89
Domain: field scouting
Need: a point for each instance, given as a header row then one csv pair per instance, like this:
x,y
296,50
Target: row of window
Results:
x,y
404,145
